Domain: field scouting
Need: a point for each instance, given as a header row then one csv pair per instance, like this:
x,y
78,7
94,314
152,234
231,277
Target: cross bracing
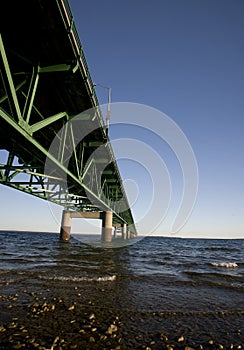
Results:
x,y
50,121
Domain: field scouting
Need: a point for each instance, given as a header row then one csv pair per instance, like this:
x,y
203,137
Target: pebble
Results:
x,y
181,339
2,329
103,337
18,346
163,337
111,329
12,325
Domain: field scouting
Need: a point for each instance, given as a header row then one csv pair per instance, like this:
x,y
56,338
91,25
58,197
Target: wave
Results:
x,y
79,279
226,249
228,265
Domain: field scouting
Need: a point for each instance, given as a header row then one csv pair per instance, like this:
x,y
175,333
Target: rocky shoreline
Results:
x,y
44,320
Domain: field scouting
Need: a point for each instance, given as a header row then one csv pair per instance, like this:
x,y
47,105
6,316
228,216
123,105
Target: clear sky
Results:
x,y
185,59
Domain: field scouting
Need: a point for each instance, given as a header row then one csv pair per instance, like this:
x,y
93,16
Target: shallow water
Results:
x,y
189,287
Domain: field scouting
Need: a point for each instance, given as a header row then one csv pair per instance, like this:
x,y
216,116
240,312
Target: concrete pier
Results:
x,y
115,232
128,234
65,226
107,226
124,229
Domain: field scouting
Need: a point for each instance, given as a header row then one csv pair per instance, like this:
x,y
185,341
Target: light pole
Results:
x,y
108,105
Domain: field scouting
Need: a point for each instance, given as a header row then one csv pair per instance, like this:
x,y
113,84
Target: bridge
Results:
x,y
52,130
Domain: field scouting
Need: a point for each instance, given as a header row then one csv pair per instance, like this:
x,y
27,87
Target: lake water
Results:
x,y
157,292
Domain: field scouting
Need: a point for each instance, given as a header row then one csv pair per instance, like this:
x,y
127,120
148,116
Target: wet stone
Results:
x,y
111,329
92,340
181,339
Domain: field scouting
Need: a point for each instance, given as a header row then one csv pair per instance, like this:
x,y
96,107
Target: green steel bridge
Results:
x,y
51,127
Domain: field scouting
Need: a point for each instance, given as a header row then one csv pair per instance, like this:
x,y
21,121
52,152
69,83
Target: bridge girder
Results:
x,y
41,94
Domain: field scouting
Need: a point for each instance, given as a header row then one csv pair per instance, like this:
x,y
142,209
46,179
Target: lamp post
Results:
x,y
108,105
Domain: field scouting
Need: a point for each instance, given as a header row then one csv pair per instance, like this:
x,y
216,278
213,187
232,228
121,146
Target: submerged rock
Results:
x,y
111,329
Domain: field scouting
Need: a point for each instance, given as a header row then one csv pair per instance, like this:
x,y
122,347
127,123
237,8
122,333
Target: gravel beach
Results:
x,y
44,319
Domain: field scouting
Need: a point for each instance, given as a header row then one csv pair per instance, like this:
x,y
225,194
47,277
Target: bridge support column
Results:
x,y
107,226
124,229
128,234
115,232
65,226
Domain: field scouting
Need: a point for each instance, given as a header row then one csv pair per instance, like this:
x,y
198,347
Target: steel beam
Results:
x,y
8,82
32,121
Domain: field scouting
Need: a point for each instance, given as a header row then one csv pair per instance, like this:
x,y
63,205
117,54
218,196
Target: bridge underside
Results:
x,y
51,129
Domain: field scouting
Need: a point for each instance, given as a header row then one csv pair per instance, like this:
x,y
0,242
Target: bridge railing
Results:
x,y
72,30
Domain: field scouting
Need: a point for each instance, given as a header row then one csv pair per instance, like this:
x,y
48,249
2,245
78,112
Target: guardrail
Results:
x,y
79,52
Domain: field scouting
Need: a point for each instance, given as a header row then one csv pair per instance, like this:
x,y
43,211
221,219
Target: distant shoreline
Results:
x,y
140,236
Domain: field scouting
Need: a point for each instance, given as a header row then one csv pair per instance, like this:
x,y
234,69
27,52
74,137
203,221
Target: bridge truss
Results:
x,y
51,127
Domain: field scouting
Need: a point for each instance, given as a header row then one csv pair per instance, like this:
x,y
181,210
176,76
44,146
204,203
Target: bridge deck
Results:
x,y
45,82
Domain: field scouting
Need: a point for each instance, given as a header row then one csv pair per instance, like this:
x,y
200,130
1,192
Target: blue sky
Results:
x,y
185,59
